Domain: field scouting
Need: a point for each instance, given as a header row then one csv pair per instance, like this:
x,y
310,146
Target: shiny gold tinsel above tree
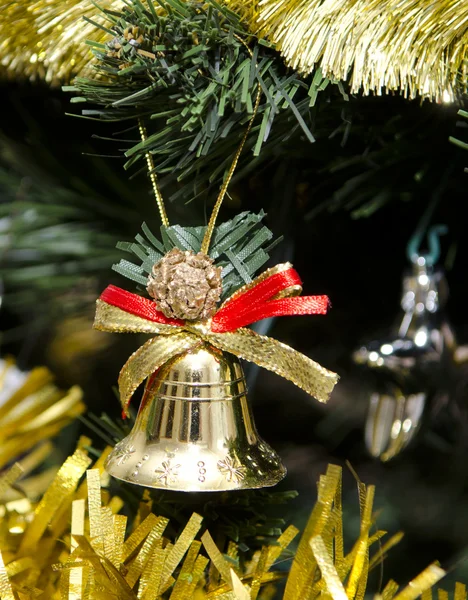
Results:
x,y
417,47
46,40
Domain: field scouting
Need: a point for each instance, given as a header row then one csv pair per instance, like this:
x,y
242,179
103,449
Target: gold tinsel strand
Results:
x,y
32,411
46,39
73,544
417,47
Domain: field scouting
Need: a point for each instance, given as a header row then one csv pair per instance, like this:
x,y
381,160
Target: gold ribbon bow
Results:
x,y
173,340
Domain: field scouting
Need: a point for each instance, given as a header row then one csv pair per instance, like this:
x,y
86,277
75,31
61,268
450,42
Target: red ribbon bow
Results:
x,y
243,308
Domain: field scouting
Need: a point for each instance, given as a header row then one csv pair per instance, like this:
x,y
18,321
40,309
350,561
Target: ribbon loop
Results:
x,y
279,358
150,357
119,320
136,305
247,313
270,294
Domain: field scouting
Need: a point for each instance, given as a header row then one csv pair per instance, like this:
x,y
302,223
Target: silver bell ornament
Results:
x,y
195,430
407,365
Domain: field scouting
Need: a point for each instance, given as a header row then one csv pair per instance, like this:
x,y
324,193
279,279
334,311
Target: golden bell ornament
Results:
x,y
195,431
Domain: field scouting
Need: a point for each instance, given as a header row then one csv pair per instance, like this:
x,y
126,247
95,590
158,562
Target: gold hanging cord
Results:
x,y
153,178
152,174
211,224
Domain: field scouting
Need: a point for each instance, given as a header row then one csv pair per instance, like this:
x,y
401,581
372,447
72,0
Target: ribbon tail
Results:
x,y
149,357
294,286
279,358
116,320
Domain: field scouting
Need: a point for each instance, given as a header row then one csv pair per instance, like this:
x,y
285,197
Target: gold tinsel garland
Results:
x,y
46,39
32,411
74,545
418,47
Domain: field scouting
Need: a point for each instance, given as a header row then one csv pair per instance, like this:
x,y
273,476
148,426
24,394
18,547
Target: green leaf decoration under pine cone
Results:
x,y
240,246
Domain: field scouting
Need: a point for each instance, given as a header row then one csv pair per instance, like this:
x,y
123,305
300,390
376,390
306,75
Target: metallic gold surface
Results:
x,y
327,568
239,590
177,552
412,46
113,319
424,581
58,493
221,564
32,411
6,591
151,563
304,565
153,178
46,39
195,431
278,358
417,47
185,285
243,343
152,355
205,247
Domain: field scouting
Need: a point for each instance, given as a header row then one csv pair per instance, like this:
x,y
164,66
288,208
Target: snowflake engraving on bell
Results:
x,y
185,285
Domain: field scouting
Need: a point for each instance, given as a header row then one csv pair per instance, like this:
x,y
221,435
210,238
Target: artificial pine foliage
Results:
x,y
378,160
192,70
240,246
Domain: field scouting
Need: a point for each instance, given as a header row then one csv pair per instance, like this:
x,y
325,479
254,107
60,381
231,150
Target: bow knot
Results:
x,y
200,328
274,293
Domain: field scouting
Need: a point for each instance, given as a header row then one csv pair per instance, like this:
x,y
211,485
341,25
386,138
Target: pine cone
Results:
x,y
185,285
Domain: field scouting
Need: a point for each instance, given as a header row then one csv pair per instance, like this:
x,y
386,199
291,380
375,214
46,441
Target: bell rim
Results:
x,y
270,482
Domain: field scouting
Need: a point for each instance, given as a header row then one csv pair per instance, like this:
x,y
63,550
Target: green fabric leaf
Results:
x,y
239,246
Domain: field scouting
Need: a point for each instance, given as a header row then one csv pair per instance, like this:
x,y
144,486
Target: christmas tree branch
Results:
x,y
192,72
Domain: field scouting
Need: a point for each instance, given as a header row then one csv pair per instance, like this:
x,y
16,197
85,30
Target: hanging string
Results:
x,y
214,215
212,222
153,178
413,248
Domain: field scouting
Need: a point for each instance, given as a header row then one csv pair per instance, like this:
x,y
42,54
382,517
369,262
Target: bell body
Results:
x,y
195,431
